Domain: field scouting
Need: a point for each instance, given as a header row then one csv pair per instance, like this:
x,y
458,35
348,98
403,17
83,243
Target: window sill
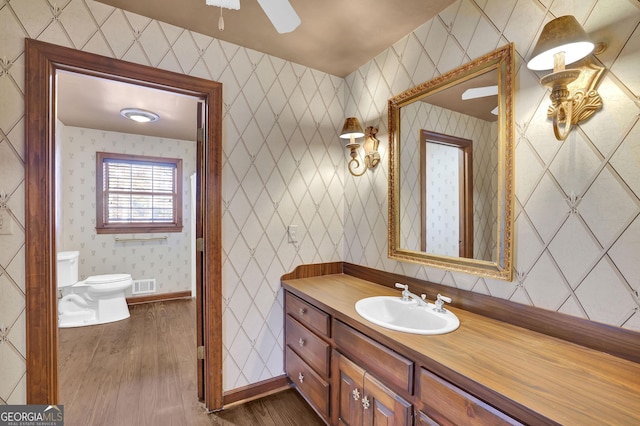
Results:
x,y
138,229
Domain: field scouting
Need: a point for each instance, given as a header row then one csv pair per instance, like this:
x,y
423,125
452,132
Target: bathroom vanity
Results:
x,y
488,371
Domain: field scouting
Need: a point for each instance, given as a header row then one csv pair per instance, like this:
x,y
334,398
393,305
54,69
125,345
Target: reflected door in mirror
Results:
x,y
446,194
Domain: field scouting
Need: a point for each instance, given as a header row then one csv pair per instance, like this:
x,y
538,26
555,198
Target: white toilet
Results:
x,y
97,300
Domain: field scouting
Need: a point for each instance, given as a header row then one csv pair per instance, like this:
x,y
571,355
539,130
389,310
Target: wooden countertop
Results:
x,y
564,382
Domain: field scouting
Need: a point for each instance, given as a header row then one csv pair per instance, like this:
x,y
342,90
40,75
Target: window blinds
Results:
x,y
139,192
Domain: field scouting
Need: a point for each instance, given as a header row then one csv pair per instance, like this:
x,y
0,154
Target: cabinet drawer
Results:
x,y
449,405
393,369
312,349
307,314
308,382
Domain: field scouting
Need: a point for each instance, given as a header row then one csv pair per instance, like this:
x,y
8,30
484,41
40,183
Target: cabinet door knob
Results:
x,y
300,377
303,311
301,342
356,394
365,403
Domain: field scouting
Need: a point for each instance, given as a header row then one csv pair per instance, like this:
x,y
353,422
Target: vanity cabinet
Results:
x,y
308,352
363,400
392,368
505,364
351,379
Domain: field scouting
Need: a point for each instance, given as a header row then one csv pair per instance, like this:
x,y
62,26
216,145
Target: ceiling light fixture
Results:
x,y
573,96
139,115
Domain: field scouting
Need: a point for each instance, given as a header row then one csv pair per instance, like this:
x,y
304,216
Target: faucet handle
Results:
x,y
405,291
444,298
440,300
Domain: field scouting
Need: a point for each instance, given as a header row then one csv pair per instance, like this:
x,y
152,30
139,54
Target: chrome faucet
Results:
x,y
440,303
407,295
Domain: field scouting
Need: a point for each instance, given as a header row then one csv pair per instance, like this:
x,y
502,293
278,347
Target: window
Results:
x,y
137,194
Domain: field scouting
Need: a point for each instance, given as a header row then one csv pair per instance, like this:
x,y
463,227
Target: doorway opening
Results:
x,y
43,61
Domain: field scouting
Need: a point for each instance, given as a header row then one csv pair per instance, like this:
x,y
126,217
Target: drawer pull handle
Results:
x,y
303,311
301,342
356,394
300,377
365,403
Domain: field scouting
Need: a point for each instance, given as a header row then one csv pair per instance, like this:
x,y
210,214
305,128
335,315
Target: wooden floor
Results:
x,y
142,371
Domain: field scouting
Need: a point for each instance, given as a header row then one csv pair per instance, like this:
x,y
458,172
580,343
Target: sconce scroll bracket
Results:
x,y
371,155
372,159
583,95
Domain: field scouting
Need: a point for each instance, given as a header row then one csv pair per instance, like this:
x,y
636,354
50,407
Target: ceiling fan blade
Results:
x,y
282,15
227,4
479,92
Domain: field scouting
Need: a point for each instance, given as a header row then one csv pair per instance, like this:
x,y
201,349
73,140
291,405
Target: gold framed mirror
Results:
x,y
451,142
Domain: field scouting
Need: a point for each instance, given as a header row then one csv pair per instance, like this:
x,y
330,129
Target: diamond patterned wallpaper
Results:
x,y
577,203
577,207
282,166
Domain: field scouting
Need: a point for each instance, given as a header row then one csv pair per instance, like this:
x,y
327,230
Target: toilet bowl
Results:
x,y
97,300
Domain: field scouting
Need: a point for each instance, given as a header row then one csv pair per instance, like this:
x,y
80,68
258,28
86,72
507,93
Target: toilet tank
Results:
x,y
67,268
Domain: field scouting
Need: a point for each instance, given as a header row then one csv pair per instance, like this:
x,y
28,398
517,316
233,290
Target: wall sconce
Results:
x,y
573,91
352,130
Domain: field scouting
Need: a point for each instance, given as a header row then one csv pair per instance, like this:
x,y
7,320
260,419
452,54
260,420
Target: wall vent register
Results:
x,y
145,286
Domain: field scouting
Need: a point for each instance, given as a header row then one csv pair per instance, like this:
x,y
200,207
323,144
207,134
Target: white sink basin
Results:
x,y
393,313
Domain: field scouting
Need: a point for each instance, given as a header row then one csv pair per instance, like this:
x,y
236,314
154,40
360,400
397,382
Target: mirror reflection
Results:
x,y
448,170
450,175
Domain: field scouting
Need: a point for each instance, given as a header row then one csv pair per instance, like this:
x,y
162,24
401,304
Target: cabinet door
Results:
x,y
382,406
350,391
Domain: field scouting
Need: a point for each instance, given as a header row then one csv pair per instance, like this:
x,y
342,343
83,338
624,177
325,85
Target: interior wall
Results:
x,y
167,261
282,164
577,206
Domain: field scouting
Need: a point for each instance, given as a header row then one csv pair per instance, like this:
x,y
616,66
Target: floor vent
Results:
x,y
144,286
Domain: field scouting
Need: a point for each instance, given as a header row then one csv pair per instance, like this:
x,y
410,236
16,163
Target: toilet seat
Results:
x,y
107,279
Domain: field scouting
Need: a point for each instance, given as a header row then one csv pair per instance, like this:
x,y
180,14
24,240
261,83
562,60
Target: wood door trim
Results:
x,y
256,390
43,60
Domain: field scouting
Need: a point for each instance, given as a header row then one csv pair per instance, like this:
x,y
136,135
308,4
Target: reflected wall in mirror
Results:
x,y
451,169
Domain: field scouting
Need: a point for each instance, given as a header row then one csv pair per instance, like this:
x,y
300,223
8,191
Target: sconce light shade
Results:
x,y
563,34
573,91
351,129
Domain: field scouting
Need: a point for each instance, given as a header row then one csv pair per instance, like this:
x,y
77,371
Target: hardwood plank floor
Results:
x,y
142,371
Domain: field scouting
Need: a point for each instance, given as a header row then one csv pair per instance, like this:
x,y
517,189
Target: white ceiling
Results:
x,y
95,103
